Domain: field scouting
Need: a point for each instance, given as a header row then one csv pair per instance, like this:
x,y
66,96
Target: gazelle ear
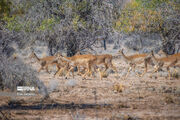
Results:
x,y
120,51
152,53
14,56
32,52
57,54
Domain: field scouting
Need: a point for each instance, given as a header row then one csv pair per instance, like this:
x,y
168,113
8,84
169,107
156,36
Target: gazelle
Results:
x,y
45,61
65,65
169,61
132,60
106,60
79,60
88,61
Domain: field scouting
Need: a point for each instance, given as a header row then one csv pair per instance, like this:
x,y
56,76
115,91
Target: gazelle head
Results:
x,y
14,56
58,54
60,57
152,53
32,55
120,51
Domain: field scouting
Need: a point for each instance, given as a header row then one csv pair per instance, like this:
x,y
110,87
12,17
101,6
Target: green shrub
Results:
x,y
4,8
12,23
47,24
141,16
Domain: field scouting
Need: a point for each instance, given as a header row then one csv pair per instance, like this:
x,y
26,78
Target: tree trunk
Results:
x,y
104,42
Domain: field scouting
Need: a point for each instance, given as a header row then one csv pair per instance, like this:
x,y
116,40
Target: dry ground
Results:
x,y
146,98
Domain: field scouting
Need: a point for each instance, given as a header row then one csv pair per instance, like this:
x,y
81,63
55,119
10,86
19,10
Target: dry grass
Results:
x,y
111,98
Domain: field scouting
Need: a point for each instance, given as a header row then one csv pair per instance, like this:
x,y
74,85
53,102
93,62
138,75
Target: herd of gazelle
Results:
x,y
90,63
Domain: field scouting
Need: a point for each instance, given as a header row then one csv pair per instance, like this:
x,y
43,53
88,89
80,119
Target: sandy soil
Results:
x,y
151,97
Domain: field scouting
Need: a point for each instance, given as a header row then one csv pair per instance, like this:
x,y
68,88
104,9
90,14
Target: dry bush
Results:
x,y
13,72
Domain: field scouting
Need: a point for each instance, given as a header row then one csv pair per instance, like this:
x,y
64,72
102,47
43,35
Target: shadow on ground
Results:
x,y
55,105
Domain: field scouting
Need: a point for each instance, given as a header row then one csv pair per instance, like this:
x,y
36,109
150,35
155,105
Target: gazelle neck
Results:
x,y
152,53
124,56
36,57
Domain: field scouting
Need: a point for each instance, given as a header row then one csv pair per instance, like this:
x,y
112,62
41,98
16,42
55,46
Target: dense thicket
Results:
x,y
73,25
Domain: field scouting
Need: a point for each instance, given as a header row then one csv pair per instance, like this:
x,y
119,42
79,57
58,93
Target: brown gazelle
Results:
x,y
88,62
169,61
79,60
132,60
106,60
64,64
45,61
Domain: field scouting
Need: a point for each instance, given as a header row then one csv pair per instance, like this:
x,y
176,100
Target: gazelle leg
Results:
x,y
40,69
68,72
78,67
130,68
86,73
92,71
141,75
156,68
170,65
115,69
100,73
84,76
169,74
46,67
72,70
133,66
90,74
157,71
73,73
80,73
58,68
137,74
145,71
58,72
106,66
175,72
